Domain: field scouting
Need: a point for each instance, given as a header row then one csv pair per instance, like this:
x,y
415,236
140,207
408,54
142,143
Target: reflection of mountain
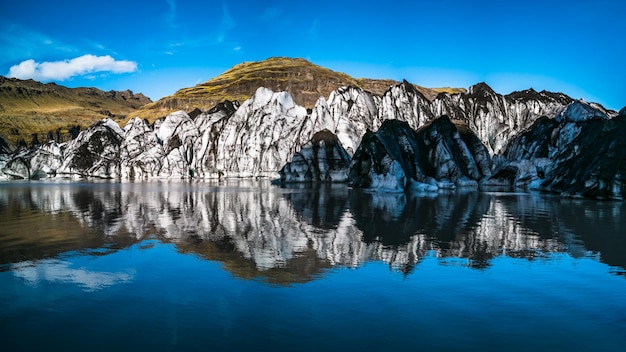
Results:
x,y
294,234
44,221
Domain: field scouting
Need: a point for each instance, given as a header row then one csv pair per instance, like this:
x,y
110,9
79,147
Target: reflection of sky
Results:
x,y
176,301
59,271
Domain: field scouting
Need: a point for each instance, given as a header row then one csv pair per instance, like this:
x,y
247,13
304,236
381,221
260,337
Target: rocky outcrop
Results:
x,y
177,134
436,156
5,151
593,164
578,153
261,136
322,159
95,152
494,118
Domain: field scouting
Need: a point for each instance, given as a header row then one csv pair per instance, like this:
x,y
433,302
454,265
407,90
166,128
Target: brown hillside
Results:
x,y
305,81
29,107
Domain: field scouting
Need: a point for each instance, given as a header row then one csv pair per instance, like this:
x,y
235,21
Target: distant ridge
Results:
x,y
30,109
305,81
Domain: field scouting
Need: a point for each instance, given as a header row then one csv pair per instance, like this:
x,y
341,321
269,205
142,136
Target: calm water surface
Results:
x,y
248,266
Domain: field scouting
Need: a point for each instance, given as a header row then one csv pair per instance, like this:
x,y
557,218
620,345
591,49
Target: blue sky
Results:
x,y
158,47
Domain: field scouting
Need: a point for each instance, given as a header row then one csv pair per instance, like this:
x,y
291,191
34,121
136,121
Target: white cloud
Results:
x,y
62,70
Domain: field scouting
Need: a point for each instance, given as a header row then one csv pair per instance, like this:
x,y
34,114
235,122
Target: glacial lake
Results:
x,y
245,265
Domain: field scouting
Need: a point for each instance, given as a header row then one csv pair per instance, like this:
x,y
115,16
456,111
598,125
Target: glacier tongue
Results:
x,y
141,151
95,152
177,134
403,102
260,137
265,133
579,154
580,111
322,159
353,112
397,157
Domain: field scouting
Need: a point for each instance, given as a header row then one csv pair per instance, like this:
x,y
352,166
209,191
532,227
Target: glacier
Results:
x,y
512,140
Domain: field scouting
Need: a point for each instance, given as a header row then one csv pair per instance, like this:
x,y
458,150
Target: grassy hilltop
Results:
x,y
305,82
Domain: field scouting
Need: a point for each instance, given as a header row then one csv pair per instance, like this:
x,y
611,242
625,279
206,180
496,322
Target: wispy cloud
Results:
x,y
62,70
18,42
313,28
170,17
226,25
270,14
218,35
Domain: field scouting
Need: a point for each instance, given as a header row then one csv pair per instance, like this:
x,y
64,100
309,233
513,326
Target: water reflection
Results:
x,y
294,234
50,270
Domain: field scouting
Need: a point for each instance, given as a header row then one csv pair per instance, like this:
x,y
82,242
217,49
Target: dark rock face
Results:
x,y
436,156
4,146
579,153
321,159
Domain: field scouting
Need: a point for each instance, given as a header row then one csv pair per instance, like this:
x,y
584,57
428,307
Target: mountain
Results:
x,y
397,140
258,137
51,111
304,81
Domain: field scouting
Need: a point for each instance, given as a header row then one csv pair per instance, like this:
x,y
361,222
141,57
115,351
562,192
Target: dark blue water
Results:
x,y
248,266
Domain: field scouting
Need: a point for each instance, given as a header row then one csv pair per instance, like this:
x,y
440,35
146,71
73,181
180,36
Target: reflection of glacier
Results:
x,y
290,234
54,271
